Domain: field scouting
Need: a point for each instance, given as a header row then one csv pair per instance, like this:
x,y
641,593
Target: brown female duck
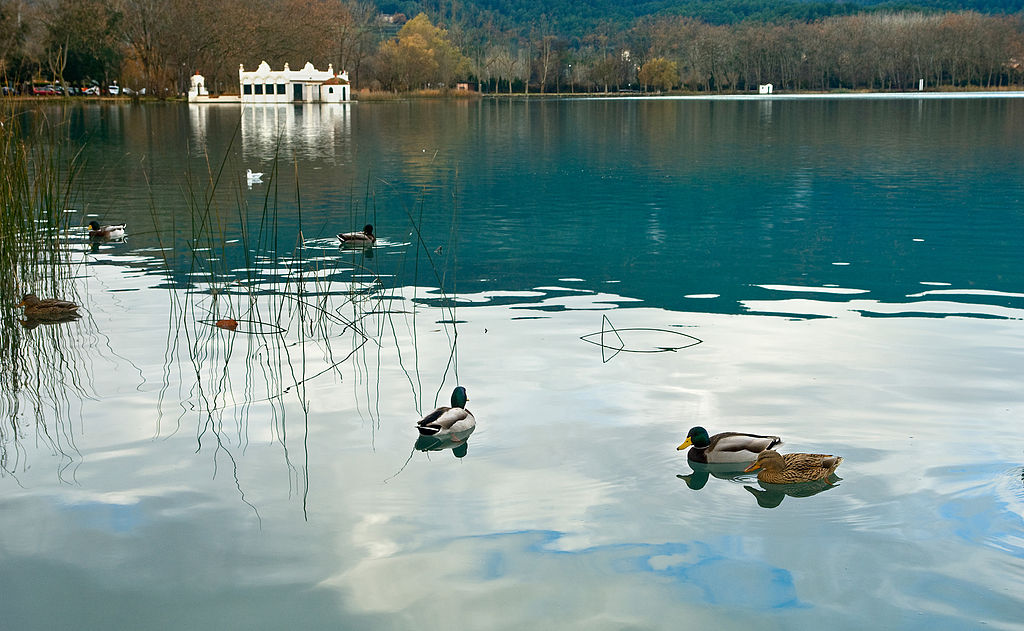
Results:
x,y
48,308
776,468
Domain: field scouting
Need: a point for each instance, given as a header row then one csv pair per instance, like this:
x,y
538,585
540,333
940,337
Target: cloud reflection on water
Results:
x,y
569,512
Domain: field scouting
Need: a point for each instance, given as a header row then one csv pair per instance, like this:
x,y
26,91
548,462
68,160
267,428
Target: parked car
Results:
x,y
44,90
113,90
6,90
93,90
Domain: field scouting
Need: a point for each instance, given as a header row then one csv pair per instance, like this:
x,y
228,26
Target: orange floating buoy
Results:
x,y
228,324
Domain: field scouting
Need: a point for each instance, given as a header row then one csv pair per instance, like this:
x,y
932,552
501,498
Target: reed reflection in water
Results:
x,y
298,313
573,476
43,371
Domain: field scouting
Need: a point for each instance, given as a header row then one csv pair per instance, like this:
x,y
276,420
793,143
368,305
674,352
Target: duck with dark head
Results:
x,y
365,238
727,447
446,420
106,233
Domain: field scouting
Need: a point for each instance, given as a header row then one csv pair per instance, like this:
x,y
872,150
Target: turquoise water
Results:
x,y
851,268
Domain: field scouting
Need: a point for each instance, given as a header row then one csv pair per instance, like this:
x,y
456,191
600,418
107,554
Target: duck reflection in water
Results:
x,y
771,495
458,442
358,250
768,496
363,249
31,322
702,472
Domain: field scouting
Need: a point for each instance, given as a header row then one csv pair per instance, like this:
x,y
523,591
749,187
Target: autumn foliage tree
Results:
x,y
659,73
422,54
157,44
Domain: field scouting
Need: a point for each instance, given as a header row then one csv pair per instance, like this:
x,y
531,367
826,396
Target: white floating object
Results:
x,y
802,288
252,178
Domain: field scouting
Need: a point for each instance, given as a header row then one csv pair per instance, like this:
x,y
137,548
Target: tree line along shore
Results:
x,y
154,46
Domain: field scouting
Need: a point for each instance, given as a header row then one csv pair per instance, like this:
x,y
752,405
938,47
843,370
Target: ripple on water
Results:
x,y
986,506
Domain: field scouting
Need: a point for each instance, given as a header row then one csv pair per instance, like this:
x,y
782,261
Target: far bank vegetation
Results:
x,y
158,44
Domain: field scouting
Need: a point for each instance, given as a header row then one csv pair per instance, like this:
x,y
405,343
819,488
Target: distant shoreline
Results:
x,y
1016,94
777,96
746,96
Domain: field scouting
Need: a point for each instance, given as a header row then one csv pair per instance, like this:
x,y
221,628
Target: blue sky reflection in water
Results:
x,y
851,267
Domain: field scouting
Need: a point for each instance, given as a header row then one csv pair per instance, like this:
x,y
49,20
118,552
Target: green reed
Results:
x,y
285,322
304,320
37,367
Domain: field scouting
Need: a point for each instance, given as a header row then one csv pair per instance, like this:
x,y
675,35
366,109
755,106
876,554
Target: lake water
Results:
x,y
852,270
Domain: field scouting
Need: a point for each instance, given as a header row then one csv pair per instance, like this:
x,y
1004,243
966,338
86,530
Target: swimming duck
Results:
x,y
776,468
727,447
47,309
106,232
448,421
365,237
253,178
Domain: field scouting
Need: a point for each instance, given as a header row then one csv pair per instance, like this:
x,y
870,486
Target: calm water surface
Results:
x,y
853,270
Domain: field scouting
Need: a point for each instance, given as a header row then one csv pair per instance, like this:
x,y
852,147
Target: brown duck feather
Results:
x,y
47,307
775,468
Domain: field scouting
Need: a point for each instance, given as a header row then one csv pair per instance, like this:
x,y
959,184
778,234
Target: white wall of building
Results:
x,y
264,85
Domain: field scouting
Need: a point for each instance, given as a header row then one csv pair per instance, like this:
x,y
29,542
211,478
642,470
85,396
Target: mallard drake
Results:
x,y
47,309
776,468
448,421
96,231
727,447
365,237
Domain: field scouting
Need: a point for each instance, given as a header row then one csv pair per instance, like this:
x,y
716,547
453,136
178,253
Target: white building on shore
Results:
x,y
308,85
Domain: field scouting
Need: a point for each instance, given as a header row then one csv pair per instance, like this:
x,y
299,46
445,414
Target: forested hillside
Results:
x,y
576,18
517,45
